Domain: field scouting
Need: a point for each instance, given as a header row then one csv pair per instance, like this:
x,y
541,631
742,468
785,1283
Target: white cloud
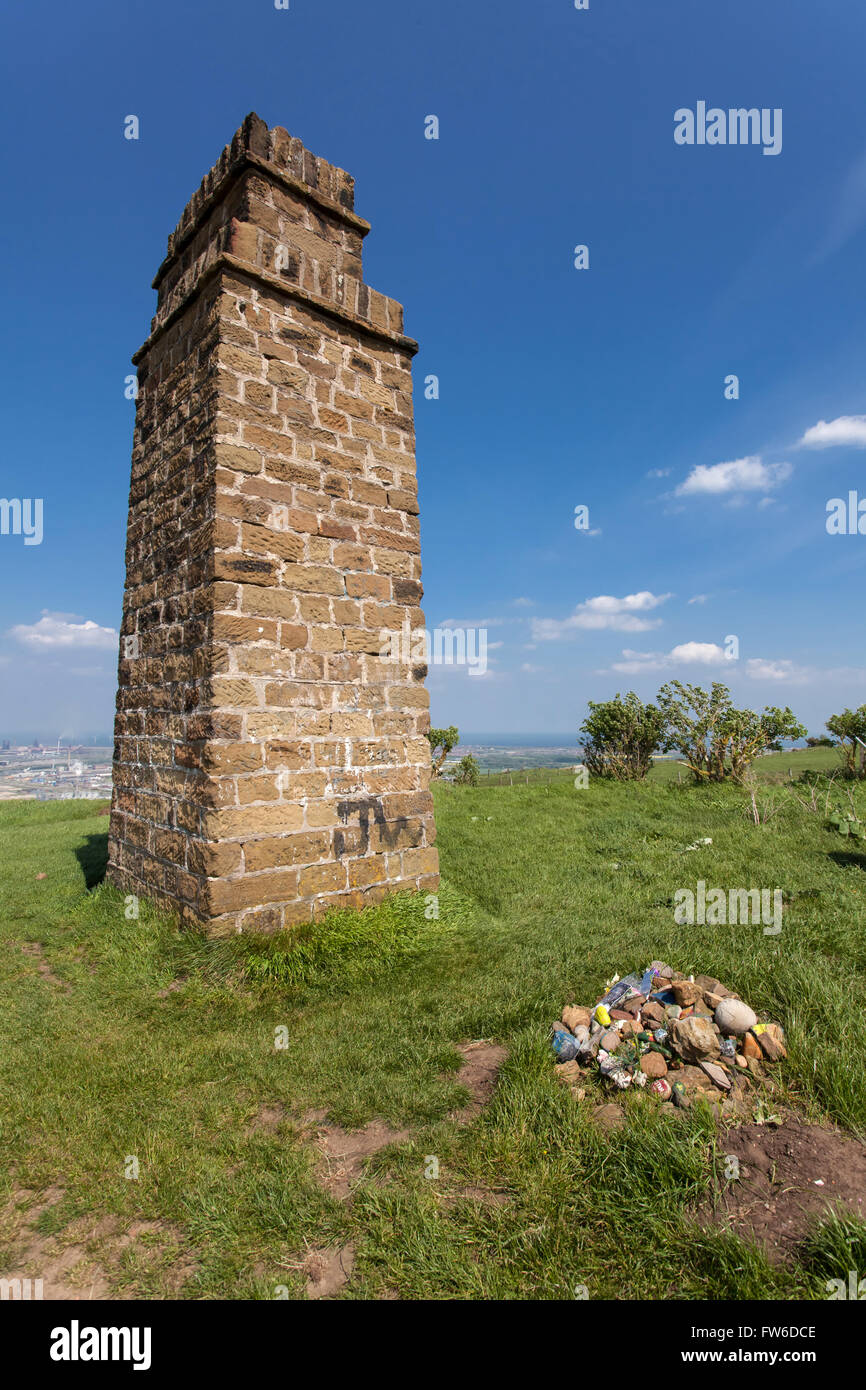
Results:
x,y
528,667
847,429
756,668
64,630
685,654
749,474
659,473
523,603
602,613
711,654
699,598
704,653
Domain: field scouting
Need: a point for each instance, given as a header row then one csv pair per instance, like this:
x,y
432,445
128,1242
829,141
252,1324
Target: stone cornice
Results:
x,y
276,284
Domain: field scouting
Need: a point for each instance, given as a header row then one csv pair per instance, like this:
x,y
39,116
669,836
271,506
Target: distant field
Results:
x,y
493,758
774,767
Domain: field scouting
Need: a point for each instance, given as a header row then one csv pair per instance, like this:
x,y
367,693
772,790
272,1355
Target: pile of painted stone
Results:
x,y
678,1036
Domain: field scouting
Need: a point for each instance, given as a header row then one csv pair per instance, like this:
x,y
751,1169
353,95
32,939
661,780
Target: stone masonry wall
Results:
x,y
268,763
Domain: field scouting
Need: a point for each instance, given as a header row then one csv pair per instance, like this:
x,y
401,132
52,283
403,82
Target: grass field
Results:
x,y
129,1039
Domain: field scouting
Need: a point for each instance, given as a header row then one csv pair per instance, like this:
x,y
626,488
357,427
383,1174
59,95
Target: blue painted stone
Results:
x,y
566,1047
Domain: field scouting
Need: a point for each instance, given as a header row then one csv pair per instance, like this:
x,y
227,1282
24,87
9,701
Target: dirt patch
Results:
x,y
267,1118
65,1272
791,1175
482,1062
314,1118
344,1153
328,1271
34,950
172,988
69,1269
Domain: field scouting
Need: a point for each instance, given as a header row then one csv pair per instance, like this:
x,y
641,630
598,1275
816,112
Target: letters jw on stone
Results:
x,y
269,764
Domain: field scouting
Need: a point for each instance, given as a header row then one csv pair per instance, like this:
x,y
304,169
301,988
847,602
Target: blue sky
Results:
x,y
558,387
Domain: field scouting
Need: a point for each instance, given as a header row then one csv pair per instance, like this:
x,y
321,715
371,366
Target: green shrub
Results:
x,y
620,737
846,823
850,729
441,742
466,772
716,739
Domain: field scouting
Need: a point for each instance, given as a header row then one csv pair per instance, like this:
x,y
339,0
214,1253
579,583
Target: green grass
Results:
x,y
162,1045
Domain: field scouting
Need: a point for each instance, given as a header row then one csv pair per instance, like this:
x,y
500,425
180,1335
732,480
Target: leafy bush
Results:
x,y
466,772
620,737
444,740
846,823
822,742
716,739
850,729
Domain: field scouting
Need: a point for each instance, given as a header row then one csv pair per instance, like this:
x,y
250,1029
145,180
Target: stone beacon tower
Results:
x,y
269,764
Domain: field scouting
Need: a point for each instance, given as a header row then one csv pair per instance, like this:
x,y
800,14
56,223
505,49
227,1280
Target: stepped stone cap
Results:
x,y
272,208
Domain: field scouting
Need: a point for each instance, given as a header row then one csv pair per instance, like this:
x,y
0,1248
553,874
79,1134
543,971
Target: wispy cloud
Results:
x,y
748,474
847,212
466,623
709,654
63,630
761,669
828,434
600,613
